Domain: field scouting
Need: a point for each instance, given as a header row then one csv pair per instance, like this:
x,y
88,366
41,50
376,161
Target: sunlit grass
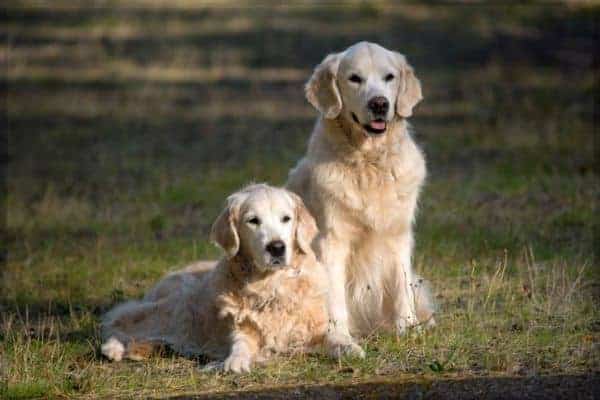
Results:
x,y
503,318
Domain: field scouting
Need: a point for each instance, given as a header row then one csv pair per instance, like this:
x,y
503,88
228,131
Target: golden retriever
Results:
x,y
361,178
268,295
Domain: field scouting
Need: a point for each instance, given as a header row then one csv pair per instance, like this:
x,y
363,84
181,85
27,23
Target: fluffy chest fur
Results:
x,y
285,311
377,188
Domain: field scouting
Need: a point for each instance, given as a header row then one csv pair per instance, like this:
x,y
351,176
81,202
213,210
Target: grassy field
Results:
x,y
129,122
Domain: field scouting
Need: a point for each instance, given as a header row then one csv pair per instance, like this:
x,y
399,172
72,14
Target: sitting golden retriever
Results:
x,y
266,296
361,178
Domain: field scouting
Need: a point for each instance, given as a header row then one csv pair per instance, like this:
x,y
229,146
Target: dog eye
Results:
x,y
355,78
286,219
254,221
389,77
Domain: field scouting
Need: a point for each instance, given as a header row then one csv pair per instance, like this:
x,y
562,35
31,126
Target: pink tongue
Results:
x,y
378,125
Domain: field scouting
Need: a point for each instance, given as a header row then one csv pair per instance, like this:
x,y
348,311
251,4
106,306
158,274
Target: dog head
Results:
x,y
367,85
265,225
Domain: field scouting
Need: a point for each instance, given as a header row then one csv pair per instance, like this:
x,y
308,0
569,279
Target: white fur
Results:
x,y
113,349
270,212
362,189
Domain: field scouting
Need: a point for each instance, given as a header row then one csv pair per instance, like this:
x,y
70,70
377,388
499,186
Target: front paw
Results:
x,y
237,363
340,345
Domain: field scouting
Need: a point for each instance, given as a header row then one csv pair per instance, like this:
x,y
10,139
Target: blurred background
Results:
x,y
128,123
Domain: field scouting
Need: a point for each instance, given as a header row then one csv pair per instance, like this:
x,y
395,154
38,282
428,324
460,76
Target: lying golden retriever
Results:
x,y
361,178
266,296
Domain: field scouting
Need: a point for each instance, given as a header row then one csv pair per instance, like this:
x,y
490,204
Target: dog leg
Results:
x,y
134,329
424,304
334,254
405,304
243,351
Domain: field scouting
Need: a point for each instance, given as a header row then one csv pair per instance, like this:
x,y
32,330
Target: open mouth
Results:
x,y
375,127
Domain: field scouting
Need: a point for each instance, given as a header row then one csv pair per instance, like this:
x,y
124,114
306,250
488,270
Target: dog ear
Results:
x,y
306,226
224,230
409,92
321,89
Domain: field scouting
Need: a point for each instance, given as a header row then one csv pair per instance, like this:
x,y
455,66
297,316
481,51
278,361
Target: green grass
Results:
x,y
126,133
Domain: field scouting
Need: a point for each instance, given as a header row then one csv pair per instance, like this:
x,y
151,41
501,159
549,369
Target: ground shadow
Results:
x,y
537,387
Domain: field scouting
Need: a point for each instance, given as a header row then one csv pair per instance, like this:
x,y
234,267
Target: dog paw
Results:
x,y
113,349
237,363
343,345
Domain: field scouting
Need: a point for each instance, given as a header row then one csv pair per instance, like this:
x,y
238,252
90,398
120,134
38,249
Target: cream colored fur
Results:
x,y
246,307
362,189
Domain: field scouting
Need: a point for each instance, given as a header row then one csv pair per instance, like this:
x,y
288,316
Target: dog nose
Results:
x,y
276,248
379,105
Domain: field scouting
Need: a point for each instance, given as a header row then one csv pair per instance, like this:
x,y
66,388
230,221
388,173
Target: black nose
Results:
x,y
276,248
379,105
